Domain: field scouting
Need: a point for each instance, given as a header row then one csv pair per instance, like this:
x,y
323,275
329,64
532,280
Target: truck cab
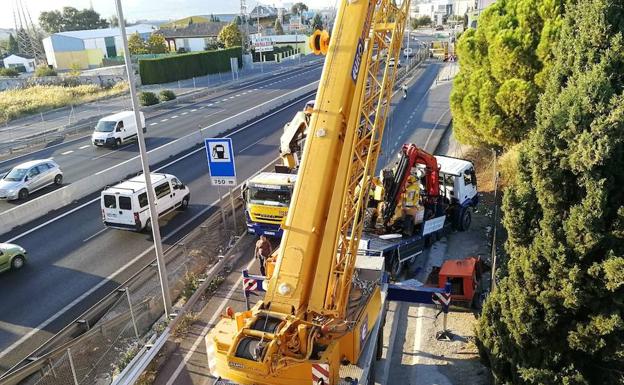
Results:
x,y
267,197
458,184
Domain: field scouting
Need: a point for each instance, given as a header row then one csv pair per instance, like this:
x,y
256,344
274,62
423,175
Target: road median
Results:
x,y
64,196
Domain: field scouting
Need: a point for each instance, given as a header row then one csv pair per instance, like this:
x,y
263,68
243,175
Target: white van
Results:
x,y
116,129
124,206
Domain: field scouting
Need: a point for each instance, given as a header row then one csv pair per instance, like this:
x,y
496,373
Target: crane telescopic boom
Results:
x,y
315,310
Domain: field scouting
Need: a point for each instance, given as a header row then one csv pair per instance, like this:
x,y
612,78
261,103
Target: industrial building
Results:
x,y
86,49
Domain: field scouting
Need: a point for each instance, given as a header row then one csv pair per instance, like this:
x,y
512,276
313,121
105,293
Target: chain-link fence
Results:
x,y
136,309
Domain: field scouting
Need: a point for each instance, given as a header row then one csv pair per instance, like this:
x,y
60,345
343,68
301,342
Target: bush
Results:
x,y
9,72
166,95
185,66
148,98
44,71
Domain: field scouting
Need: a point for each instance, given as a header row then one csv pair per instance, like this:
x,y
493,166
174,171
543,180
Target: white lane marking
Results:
x,y
112,152
67,152
224,100
153,124
164,120
184,113
209,325
174,116
94,235
251,145
435,126
83,147
231,97
238,94
202,107
417,336
194,109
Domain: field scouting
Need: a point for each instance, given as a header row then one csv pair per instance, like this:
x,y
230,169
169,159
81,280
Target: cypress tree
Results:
x,y
557,317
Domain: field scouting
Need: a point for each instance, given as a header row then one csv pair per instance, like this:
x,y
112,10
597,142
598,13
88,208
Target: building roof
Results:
x,y
20,56
194,30
107,32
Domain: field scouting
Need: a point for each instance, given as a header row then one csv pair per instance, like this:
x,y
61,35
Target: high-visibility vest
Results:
x,y
412,195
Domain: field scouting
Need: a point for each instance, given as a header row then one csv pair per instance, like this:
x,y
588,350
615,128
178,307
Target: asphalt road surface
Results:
x,y
79,158
75,261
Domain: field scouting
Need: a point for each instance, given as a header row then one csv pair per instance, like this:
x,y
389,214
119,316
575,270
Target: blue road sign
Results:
x,y
220,155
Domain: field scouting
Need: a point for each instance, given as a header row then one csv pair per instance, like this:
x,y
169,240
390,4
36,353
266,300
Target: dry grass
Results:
x,y
483,159
21,102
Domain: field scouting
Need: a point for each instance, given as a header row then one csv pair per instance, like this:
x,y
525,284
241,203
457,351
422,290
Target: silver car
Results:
x,y
29,177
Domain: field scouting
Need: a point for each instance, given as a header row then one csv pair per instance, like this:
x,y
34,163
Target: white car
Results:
x,y
29,177
391,62
124,206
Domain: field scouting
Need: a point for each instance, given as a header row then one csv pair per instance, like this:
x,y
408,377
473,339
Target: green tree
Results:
x,y
422,21
557,316
156,43
214,19
317,22
298,8
237,20
279,30
12,47
136,44
503,71
71,19
230,36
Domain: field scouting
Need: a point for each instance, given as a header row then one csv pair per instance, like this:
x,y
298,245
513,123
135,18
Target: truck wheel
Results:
x,y
465,219
370,218
117,143
396,268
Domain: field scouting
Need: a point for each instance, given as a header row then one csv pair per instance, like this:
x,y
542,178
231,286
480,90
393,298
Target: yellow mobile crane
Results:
x,y
318,312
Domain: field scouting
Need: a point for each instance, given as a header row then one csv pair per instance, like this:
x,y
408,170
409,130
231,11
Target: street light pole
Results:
x,y
151,199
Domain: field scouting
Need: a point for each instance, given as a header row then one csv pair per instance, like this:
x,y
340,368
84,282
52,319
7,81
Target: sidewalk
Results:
x,y
58,122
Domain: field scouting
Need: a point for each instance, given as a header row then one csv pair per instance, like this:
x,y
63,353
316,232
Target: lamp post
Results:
x,y
151,199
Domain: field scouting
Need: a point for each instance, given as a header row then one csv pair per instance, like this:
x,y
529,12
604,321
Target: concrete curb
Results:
x,y
64,196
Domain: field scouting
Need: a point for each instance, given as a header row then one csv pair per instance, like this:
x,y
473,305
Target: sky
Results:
x,y
142,9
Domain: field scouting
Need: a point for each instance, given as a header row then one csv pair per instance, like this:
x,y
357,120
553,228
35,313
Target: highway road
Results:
x,y
75,260
78,158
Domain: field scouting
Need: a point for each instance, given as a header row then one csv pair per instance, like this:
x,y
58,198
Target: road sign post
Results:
x,y
220,154
221,161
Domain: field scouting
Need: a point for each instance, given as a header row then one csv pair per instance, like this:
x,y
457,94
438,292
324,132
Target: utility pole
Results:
x,y
151,199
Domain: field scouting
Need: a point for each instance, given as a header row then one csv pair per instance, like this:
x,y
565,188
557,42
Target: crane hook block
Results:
x,y
319,42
